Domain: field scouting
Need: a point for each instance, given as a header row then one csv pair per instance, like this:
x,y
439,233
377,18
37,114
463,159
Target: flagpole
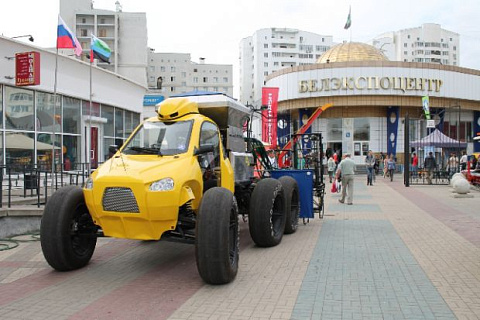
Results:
x,y
90,118
54,114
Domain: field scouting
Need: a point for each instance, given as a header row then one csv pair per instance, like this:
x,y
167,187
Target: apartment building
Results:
x,y
272,49
428,43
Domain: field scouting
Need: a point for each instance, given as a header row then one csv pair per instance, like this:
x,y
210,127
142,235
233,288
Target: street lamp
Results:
x,y
30,37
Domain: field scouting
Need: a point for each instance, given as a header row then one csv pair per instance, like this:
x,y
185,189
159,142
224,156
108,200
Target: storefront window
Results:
x,y
107,142
45,109
19,109
128,123
19,148
72,152
135,120
334,129
71,115
1,143
118,123
94,111
107,113
361,129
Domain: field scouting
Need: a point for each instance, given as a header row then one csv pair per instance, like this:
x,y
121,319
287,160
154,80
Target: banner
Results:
x,y
306,144
392,130
283,128
269,116
476,130
426,107
27,68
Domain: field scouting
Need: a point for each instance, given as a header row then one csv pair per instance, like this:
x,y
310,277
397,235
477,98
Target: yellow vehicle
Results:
x,y
185,176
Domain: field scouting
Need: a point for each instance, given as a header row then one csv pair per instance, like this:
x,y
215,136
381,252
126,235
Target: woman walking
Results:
x,y
391,166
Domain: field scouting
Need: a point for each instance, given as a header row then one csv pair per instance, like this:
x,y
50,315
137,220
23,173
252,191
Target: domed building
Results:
x,y
370,98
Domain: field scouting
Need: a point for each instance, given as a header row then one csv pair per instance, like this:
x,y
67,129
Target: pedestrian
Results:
x,y
331,168
369,163
430,165
385,167
346,168
414,165
452,165
391,166
473,162
463,161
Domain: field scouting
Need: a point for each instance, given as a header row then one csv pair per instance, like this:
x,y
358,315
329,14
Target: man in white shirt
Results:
x,y
463,161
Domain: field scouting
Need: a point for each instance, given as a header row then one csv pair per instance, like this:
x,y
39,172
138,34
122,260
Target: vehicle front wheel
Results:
x,y
217,237
67,232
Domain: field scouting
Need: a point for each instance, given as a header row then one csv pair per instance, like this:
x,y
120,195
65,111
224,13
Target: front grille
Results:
x,y
119,200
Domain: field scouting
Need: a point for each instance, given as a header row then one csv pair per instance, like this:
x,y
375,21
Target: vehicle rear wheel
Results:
x,y
67,232
292,205
266,217
217,237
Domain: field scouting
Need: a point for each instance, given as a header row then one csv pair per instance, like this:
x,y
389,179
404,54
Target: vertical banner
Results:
x,y
476,130
27,68
392,130
426,107
269,116
283,128
304,115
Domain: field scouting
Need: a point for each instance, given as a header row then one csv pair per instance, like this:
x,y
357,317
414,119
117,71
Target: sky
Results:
x,y
213,29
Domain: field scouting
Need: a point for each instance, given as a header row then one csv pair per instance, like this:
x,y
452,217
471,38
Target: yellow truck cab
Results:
x,y
184,175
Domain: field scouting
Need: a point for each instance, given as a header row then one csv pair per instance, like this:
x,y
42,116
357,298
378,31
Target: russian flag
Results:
x,y
66,39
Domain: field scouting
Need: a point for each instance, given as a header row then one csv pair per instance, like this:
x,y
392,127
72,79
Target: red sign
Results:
x,y
269,116
27,68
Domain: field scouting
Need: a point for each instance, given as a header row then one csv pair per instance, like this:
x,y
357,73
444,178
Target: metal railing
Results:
x,y
33,184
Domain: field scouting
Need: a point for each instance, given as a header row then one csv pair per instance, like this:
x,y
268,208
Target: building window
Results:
x,y
172,89
361,129
102,20
162,69
102,33
405,53
408,37
195,79
84,20
215,79
172,69
172,79
205,79
225,79
265,64
194,70
265,73
184,74
275,64
265,45
405,45
265,55
184,84
83,32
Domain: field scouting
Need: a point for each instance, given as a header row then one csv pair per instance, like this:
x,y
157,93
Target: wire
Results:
x,y
13,242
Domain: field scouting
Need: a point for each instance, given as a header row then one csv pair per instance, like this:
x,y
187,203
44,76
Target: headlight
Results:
x,y
89,184
165,184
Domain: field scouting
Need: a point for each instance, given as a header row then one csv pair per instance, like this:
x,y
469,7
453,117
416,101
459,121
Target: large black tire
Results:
x,y
266,218
292,204
217,237
67,233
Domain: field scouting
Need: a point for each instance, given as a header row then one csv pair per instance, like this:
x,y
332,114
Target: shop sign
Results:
x,y
370,83
27,69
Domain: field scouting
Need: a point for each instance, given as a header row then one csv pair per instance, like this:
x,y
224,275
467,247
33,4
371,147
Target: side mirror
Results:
x,y
203,149
113,149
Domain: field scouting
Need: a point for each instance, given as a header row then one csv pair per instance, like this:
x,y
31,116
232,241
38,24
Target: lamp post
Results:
x,y
30,37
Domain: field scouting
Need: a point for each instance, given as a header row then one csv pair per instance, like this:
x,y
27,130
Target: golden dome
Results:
x,y
352,51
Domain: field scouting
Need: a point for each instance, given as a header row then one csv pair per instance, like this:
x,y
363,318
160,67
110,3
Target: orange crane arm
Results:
x,y
288,146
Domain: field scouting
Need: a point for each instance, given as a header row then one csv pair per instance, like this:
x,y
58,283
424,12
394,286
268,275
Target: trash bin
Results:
x,y
304,180
31,181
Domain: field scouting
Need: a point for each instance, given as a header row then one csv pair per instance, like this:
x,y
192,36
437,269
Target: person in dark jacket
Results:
x,y
430,165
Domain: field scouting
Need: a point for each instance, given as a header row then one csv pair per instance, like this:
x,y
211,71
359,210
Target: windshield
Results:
x,y
161,138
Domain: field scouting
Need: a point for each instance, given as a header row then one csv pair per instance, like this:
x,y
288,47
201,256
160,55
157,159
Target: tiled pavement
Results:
x,y
397,253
